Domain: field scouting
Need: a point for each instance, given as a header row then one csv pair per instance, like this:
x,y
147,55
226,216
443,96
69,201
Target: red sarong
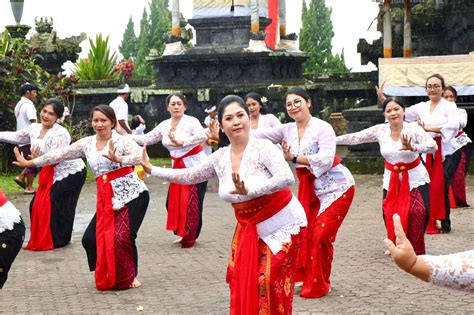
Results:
x,y
398,195
178,198
105,275
436,171
41,238
244,297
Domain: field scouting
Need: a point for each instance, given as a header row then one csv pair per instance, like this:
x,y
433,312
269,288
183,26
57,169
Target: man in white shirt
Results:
x,y
120,108
25,113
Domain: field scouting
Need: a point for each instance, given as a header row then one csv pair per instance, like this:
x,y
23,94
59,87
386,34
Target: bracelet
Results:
x,y
295,158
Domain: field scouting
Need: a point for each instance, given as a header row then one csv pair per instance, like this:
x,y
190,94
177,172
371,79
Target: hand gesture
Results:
x,y
174,141
145,162
402,253
214,129
111,154
379,91
36,152
240,188
20,159
286,151
406,143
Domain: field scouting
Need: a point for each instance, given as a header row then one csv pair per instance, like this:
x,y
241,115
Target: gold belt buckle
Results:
x,y
104,178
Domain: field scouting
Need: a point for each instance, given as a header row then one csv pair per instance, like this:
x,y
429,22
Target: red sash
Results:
x,y
436,171
3,199
178,198
311,204
306,195
398,195
41,238
105,277
244,294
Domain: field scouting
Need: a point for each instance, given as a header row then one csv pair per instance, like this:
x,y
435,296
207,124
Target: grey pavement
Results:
x,y
192,281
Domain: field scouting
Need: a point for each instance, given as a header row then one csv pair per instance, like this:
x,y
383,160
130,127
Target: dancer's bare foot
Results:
x,y
178,241
135,284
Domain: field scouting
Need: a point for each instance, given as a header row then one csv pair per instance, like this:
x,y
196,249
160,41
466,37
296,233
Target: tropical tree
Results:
x,y
153,28
100,63
128,48
315,38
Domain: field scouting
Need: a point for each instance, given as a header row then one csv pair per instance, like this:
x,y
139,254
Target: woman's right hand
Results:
x,y
402,253
20,159
146,161
379,91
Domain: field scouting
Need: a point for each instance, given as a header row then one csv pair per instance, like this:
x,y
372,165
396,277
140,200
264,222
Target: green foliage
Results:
x,y
315,38
17,66
153,28
129,45
100,63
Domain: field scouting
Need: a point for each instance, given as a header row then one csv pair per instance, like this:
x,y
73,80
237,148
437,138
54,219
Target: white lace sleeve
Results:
x,y
73,151
149,138
411,113
275,134
421,140
363,136
17,137
451,127
462,118
281,176
187,176
130,150
198,135
455,270
321,161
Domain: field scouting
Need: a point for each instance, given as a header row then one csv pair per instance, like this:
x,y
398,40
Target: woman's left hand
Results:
x,y
111,154
21,160
36,152
240,188
406,143
174,141
286,151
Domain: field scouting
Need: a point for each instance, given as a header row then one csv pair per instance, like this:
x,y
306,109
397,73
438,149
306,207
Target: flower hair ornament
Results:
x,y
264,100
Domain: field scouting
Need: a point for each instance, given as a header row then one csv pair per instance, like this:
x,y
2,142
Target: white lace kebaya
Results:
x,y
188,130
390,149
56,137
454,270
444,116
264,171
319,146
125,188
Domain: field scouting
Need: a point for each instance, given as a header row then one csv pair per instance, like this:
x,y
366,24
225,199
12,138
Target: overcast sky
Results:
x,y
351,19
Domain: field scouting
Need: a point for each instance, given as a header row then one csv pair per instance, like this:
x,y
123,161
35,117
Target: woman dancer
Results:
x,y
454,271
53,207
254,177
259,116
122,199
326,187
12,234
462,142
439,118
401,144
182,135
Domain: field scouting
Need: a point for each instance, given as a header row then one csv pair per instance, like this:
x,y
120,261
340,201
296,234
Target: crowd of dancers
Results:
x,y
279,237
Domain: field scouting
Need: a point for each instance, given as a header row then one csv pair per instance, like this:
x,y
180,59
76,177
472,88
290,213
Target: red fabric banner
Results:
x,y
272,29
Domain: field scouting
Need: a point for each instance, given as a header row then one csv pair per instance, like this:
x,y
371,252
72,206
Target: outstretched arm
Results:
x,y
187,176
455,270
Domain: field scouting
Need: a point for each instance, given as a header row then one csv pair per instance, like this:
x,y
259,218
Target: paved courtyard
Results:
x,y
192,281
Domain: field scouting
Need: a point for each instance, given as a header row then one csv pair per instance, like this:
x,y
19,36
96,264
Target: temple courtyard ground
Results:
x,y
192,281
